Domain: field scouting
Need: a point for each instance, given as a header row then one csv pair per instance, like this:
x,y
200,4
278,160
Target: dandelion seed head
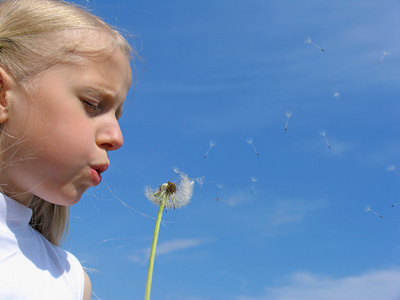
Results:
x,y
212,143
170,188
367,208
288,114
171,195
336,94
176,170
219,186
322,132
253,179
307,40
249,141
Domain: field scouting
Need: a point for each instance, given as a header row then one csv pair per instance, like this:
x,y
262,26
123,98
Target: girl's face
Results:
x,y
58,137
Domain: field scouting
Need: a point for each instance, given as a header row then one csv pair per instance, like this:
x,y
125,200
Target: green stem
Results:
x,y
153,252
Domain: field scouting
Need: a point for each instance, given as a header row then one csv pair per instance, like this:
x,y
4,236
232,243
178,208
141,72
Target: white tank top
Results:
x,y
31,268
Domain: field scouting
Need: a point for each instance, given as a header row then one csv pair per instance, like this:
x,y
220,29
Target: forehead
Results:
x,y
108,72
111,70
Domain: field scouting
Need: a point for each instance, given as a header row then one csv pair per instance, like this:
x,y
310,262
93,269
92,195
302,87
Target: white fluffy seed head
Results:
x,y
172,198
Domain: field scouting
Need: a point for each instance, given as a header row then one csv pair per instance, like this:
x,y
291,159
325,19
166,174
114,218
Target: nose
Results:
x,y
110,137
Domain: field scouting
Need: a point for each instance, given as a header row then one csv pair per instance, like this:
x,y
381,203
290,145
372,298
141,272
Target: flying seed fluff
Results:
x,y
34,36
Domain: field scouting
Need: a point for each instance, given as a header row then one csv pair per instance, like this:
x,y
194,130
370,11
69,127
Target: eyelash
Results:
x,y
90,106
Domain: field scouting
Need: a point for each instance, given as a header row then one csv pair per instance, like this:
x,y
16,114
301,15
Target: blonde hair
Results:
x,y
36,35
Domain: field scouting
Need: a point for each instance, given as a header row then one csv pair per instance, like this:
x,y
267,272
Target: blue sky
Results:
x,y
227,71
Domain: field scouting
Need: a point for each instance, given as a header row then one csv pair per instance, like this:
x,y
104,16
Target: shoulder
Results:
x,y
69,268
73,275
78,278
87,292
57,273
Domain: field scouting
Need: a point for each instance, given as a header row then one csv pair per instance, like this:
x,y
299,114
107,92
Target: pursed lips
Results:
x,y
95,172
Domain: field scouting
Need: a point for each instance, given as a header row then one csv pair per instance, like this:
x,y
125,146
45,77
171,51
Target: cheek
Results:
x,y
58,141
69,141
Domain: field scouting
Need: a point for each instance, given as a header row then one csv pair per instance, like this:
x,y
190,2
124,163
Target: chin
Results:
x,y
63,199
71,201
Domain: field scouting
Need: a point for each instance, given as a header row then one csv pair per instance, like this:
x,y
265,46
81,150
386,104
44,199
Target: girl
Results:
x,y
64,76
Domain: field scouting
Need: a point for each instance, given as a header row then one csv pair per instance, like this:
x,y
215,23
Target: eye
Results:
x,y
90,106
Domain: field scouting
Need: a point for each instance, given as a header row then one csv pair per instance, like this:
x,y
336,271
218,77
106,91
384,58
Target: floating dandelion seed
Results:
x,y
395,204
253,179
199,180
212,144
309,41
336,93
168,195
323,133
219,186
367,209
391,168
288,115
384,54
250,141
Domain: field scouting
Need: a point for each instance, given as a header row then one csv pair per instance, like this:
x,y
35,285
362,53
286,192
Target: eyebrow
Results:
x,y
99,92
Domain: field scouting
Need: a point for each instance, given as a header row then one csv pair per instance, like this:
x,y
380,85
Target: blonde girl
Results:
x,y
64,76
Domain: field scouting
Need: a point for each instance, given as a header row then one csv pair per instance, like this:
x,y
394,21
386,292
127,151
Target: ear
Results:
x,y
5,82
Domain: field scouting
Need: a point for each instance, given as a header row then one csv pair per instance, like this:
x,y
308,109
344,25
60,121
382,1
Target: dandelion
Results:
x,y
323,133
250,141
384,54
288,115
367,209
336,93
253,179
395,204
168,195
309,41
212,144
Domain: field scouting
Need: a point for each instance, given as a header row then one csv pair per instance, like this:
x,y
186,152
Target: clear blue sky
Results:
x,y
227,71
